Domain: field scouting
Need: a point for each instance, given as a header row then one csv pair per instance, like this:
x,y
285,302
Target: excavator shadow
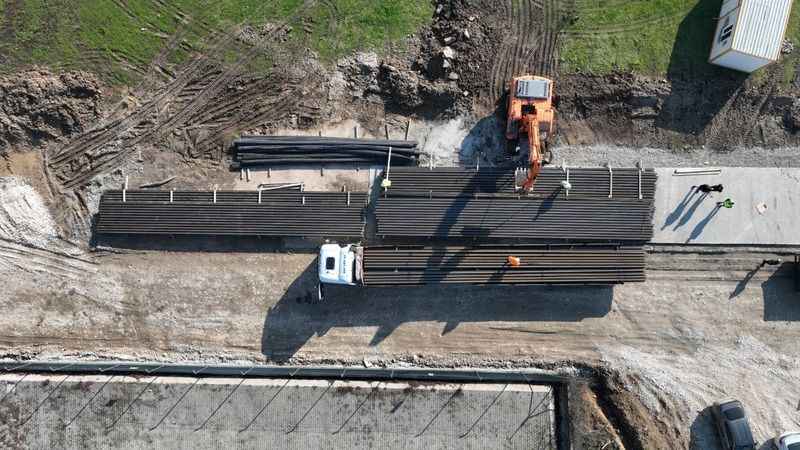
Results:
x,y
297,318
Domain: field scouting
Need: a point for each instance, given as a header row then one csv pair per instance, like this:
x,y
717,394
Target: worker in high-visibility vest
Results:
x,y
727,203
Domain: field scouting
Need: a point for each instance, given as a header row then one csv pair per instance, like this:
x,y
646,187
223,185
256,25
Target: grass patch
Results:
x,y
119,39
653,37
355,24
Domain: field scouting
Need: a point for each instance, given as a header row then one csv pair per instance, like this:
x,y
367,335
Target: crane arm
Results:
x,y
535,151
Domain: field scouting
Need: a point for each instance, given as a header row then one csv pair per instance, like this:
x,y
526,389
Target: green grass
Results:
x,y
365,24
653,37
644,36
119,41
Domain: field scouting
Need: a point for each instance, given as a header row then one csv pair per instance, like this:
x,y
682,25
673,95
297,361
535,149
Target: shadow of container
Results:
x,y
699,89
781,300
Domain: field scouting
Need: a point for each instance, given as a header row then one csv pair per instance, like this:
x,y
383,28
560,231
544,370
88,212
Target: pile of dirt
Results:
x,y
40,106
589,427
482,44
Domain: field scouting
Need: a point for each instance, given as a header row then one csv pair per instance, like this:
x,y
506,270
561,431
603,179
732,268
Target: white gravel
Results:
x,y
766,382
24,217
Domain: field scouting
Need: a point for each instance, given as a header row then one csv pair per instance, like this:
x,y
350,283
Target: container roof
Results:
x,y
761,26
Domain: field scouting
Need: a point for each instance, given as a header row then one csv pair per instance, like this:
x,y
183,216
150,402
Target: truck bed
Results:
x,y
540,264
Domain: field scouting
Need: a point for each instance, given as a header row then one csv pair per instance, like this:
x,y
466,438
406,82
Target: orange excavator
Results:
x,y
531,113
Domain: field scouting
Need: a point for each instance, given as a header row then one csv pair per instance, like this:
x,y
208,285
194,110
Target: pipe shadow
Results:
x,y
238,244
781,300
297,318
699,89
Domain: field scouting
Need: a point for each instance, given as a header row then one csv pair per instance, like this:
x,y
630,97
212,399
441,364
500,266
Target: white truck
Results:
x,y
341,264
415,265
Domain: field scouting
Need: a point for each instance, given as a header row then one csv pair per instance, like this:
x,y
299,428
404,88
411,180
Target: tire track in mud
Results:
x,y
76,164
546,61
92,140
500,67
242,116
629,26
33,259
531,44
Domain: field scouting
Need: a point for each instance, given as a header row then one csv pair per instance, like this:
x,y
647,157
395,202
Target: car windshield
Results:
x,y
794,446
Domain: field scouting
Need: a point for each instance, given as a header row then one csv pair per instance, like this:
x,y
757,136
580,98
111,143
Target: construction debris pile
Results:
x,y
232,213
268,151
520,264
574,205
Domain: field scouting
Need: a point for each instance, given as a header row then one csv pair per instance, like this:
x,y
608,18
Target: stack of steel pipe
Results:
x,y
596,182
232,213
490,265
300,150
509,216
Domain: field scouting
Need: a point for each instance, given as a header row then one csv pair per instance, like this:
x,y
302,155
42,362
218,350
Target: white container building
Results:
x,y
749,33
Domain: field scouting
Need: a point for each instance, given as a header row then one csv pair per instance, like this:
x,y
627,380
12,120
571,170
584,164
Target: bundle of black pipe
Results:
x,y
490,265
232,213
572,218
299,150
599,182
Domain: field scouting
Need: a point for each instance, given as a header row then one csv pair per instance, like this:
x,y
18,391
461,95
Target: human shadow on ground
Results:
x,y
680,208
297,317
698,229
781,300
687,216
699,89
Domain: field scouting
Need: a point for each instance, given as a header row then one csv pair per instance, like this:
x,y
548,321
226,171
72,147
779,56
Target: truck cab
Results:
x,y
340,264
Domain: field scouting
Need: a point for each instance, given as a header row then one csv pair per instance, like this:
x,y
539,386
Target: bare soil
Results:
x,y
39,106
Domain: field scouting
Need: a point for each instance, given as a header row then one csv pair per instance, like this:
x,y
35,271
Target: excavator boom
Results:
x,y
534,155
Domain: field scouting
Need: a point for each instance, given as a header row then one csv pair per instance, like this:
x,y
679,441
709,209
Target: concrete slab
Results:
x,y
78,412
766,208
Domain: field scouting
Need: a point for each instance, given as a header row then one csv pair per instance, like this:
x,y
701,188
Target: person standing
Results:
x,y
727,203
705,188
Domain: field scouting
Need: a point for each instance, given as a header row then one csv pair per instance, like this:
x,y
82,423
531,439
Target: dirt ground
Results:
x,y
704,326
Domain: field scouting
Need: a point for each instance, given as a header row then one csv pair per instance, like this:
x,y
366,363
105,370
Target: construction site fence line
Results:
x,y
152,369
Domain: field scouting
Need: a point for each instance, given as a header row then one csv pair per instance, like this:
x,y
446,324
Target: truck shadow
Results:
x,y
297,317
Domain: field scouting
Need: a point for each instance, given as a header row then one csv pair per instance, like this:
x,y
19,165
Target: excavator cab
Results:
x,y
531,116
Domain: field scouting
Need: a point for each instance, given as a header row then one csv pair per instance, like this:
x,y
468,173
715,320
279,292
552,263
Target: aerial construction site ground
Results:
x,y
92,93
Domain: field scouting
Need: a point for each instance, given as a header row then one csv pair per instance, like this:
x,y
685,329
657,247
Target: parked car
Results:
x,y
788,441
733,426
